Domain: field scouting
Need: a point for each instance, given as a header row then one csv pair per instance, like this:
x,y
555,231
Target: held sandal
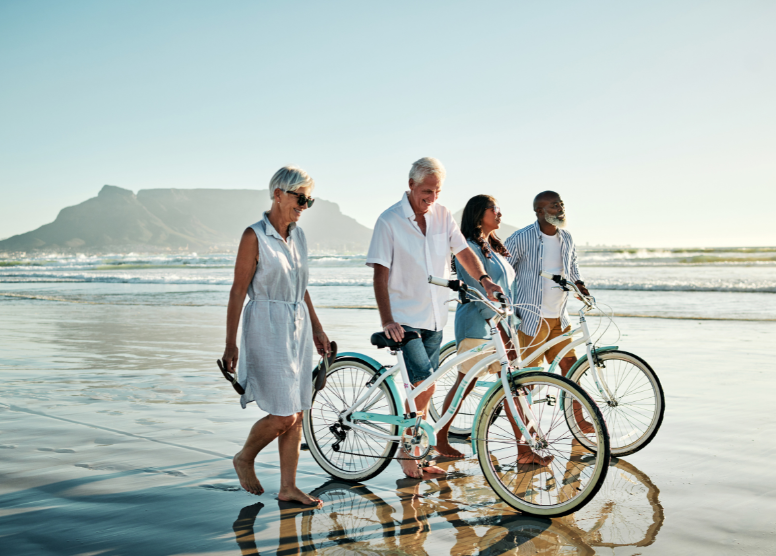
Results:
x,y
230,377
320,372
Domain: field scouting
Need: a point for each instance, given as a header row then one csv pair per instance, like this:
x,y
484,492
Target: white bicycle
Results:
x,y
526,432
623,385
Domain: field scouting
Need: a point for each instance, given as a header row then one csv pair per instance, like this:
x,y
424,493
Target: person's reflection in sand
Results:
x,y
243,529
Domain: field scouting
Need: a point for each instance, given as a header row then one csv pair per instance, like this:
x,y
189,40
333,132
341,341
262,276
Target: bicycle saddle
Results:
x,y
380,340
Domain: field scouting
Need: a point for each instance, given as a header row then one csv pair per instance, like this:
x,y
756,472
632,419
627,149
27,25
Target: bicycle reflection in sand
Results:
x,y
456,518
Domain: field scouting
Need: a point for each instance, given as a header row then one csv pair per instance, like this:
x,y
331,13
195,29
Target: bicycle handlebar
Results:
x,y
565,284
458,285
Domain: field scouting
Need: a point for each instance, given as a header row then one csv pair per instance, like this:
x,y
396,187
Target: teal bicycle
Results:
x,y
623,385
527,431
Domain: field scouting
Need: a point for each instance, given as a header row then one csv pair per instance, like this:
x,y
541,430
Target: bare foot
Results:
x,y
293,494
528,456
431,468
443,448
247,474
410,467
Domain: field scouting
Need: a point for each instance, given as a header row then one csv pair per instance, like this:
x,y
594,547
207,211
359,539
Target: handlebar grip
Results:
x,y
439,281
454,285
557,278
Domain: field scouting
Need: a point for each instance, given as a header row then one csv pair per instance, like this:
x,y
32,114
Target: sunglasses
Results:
x,y
495,208
302,199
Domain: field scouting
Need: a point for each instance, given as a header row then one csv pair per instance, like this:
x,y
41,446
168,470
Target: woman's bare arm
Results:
x,y
319,336
244,269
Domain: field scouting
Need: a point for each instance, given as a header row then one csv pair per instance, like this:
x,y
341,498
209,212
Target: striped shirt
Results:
x,y
526,248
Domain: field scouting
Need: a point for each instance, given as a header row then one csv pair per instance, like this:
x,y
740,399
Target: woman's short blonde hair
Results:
x,y
289,178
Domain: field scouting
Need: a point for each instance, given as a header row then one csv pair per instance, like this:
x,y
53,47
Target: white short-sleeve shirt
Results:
x,y
400,246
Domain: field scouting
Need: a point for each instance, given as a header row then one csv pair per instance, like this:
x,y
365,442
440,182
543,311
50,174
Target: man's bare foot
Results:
x,y
443,448
247,474
293,494
410,467
528,456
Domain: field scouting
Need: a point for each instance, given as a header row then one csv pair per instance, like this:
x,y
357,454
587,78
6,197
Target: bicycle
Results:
x,y
625,388
353,427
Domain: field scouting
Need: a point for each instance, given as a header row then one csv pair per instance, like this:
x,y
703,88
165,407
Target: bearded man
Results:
x,y
544,246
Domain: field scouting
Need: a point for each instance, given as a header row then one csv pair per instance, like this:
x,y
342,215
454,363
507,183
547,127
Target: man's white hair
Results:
x,y
426,166
289,178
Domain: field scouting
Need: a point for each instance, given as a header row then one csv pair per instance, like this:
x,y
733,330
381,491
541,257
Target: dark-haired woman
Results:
x,y
481,218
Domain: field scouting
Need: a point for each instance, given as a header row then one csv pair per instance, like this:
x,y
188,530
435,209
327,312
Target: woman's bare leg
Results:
x,y
288,446
443,444
262,433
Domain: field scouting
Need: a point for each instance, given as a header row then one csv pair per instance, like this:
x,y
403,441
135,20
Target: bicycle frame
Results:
x,y
349,415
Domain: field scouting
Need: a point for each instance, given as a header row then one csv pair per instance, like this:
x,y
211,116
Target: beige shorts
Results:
x,y
547,331
471,343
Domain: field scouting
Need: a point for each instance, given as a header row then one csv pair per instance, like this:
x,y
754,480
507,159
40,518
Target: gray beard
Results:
x,y
555,221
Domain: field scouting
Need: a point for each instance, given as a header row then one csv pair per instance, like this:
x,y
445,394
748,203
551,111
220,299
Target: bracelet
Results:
x,y
483,276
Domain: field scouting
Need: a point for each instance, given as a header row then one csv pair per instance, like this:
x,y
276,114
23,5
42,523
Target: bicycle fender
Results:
x,y
486,397
352,356
584,358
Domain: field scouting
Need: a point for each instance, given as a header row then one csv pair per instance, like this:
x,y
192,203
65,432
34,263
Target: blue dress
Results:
x,y
471,318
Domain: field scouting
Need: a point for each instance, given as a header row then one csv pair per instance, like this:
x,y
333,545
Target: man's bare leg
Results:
x,y
524,452
410,466
262,433
565,366
288,448
443,447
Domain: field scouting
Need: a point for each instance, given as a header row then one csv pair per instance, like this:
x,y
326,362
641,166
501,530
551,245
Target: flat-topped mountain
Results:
x,y
180,219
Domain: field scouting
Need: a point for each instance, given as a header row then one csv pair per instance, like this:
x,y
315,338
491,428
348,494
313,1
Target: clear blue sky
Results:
x,y
656,121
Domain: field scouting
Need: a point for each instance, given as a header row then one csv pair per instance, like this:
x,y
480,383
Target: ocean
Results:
x,y
726,284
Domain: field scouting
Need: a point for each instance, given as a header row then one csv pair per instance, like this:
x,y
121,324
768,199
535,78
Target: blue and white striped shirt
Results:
x,y
525,255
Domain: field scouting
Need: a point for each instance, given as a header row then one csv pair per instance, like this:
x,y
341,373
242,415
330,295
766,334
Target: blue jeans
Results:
x,y
421,356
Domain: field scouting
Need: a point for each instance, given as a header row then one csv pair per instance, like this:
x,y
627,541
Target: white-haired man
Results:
x,y
412,240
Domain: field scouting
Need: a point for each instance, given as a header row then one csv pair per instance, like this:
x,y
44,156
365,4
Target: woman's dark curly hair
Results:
x,y
471,225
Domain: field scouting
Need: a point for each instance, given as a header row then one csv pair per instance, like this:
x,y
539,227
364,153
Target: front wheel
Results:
x,y
562,475
635,413
342,451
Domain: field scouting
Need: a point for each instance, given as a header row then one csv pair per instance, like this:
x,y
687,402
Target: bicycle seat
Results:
x,y
380,340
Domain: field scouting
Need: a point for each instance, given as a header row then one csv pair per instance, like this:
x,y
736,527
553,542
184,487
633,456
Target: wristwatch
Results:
x,y
483,276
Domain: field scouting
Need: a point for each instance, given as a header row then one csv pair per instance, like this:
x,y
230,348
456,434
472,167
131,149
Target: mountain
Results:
x,y
180,219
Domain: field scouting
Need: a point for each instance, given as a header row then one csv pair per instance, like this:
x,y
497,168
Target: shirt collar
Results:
x,y
406,206
270,230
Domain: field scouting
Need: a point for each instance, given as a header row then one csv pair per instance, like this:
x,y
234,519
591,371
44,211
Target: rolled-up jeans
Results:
x,y
421,356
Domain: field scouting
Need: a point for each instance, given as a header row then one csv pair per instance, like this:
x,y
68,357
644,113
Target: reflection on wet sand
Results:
x,y
456,515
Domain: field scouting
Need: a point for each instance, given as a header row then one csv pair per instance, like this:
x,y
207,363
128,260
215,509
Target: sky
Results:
x,y
655,121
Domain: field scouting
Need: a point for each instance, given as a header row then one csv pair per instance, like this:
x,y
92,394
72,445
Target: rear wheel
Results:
x,y
563,475
635,414
342,451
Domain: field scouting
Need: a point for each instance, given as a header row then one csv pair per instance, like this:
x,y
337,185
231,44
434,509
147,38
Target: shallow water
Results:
x,y
116,429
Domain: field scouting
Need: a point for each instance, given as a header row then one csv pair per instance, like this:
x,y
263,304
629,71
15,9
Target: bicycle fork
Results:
x,y
592,358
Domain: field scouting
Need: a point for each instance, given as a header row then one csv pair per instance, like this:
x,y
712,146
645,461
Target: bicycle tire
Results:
x,y
536,493
345,383
462,423
639,396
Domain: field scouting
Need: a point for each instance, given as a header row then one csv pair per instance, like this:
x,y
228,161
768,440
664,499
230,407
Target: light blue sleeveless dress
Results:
x,y
276,348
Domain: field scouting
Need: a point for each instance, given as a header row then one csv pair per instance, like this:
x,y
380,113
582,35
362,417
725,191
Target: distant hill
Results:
x,y
180,219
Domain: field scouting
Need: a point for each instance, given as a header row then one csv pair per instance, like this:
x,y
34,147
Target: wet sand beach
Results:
x,y
116,433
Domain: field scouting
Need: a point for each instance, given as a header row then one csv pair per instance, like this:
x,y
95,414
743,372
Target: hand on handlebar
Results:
x,y
582,289
491,289
394,331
